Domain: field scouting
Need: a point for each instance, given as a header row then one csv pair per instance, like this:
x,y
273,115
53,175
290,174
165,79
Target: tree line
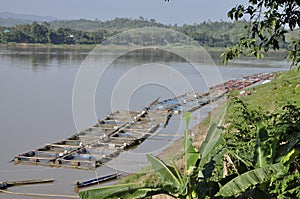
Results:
x,y
44,34
213,34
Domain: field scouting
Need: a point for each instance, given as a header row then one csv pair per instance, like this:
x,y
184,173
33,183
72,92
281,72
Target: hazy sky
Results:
x,y
175,11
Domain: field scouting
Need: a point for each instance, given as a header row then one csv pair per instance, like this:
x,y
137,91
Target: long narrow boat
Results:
x,y
5,185
96,180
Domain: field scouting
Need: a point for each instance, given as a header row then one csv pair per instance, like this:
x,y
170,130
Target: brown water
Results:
x,y
36,108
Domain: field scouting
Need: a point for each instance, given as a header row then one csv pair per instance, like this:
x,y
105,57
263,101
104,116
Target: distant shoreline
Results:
x,y
218,50
90,46
214,52
67,46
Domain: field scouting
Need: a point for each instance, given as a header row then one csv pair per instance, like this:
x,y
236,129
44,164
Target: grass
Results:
x,y
145,176
284,89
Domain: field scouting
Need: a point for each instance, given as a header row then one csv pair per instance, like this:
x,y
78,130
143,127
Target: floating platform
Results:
x,y
122,130
92,147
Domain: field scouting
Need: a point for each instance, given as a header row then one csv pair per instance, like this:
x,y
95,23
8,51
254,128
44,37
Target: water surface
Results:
x,y
36,106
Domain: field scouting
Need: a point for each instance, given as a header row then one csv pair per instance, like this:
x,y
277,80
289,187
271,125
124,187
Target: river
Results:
x,y
36,86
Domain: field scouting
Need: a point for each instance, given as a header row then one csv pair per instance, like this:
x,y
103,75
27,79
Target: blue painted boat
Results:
x,y
96,180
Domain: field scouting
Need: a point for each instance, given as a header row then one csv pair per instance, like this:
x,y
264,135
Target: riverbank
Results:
x,y
269,97
218,50
48,46
92,46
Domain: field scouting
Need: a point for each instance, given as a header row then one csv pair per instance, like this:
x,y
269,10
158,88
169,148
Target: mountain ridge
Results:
x,y
12,19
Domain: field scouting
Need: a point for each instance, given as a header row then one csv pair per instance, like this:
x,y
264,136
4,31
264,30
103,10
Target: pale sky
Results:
x,y
175,11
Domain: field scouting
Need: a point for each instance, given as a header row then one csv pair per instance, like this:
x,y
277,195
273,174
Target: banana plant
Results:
x,y
272,158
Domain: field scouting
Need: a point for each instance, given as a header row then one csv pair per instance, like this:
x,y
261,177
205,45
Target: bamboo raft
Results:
x,y
122,130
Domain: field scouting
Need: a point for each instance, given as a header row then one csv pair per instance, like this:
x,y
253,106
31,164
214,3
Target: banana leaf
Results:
x,y
191,155
212,140
262,149
285,149
251,178
167,174
134,190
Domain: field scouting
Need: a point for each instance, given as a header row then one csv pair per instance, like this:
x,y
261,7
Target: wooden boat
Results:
x,y
96,180
5,185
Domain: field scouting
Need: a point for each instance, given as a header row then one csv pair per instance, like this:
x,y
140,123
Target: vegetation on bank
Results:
x,y
254,152
44,34
48,46
212,34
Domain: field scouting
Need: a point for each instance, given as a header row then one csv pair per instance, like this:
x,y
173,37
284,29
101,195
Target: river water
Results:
x,y
36,86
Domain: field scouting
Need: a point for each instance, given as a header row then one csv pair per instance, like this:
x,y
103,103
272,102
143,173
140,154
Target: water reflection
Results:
x,y
150,55
132,64
272,59
41,59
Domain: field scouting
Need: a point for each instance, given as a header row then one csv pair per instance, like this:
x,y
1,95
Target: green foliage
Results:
x,y
269,20
212,140
287,187
191,155
257,141
283,90
134,190
43,34
263,150
294,52
212,34
118,24
250,178
169,175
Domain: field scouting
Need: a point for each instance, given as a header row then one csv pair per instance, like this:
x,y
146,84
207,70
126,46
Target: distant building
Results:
x,y
6,31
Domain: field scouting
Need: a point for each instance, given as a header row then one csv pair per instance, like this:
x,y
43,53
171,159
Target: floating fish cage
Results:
x,y
119,131
94,146
122,130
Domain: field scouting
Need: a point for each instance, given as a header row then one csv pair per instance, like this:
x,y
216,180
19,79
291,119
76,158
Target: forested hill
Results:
x,y
115,24
206,32
82,31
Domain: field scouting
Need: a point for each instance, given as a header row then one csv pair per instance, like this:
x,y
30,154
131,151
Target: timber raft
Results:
x,y
122,130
